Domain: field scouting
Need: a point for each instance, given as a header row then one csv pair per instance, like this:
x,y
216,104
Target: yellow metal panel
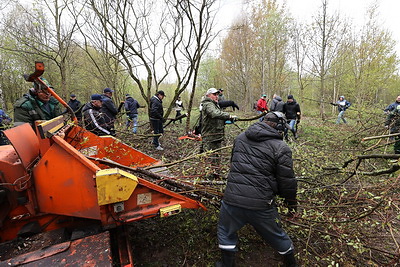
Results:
x,y
170,210
114,185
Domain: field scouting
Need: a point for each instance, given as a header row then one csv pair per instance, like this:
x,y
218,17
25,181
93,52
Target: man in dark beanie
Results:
x,y
75,105
261,168
93,119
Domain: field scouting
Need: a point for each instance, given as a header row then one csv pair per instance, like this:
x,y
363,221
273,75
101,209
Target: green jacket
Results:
x,y
29,109
212,120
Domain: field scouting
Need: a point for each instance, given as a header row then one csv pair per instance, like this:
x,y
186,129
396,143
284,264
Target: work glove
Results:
x,y
164,120
298,121
235,106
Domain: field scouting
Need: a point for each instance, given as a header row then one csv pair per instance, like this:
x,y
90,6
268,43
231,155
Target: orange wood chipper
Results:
x,y
53,192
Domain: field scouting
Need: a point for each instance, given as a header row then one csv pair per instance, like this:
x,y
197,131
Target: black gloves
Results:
x,y
228,103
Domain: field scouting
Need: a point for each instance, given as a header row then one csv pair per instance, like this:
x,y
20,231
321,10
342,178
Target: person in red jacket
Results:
x,y
262,105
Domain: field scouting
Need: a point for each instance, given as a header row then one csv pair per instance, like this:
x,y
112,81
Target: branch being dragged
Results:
x,y
392,169
252,118
372,156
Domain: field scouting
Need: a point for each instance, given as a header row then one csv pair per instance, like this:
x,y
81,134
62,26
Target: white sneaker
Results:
x,y
159,148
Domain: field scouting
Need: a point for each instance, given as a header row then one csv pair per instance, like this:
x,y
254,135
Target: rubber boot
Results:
x,y
289,259
228,259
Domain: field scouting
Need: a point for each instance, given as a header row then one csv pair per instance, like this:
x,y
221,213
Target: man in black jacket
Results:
x,y
76,105
157,117
261,168
109,110
93,119
292,111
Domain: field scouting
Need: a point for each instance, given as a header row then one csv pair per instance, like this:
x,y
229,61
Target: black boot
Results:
x,y
289,259
228,259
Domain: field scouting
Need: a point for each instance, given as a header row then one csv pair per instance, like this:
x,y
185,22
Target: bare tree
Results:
x,y
237,59
201,16
299,52
373,60
45,32
325,38
270,24
158,41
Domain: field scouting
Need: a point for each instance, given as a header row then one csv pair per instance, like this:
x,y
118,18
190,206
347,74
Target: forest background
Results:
x,y
139,47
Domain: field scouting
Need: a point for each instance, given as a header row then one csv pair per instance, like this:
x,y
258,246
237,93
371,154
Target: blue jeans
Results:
x,y
292,124
134,119
158,129
341,117
266,222
259,112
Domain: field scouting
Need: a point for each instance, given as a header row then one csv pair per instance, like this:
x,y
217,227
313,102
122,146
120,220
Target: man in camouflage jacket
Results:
x,y
393,122
213,121
37,105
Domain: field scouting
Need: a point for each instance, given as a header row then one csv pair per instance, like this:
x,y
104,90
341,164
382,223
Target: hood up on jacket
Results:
x,y
261,131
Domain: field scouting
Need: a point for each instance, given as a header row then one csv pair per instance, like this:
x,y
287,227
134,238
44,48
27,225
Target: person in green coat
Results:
x,y
393,123
38,104
213,121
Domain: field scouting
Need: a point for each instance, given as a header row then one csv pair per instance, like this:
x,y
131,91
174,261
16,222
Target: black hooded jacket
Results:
x,y
290,110
156,108
261,167
94,120
109,110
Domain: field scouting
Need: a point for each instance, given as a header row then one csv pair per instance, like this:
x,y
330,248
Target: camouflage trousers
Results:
x,y
214,158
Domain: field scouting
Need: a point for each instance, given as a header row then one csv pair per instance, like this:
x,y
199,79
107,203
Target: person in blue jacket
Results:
x,y
393,106
4,121
131,108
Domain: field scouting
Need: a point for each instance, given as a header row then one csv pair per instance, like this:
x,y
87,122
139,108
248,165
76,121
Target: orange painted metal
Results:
x,y
94,250
20,217
60,183
48,182
25,143
108,147
11,169
159,197
65,182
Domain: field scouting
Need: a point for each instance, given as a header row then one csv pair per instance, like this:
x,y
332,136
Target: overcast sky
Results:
x,y
304,9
